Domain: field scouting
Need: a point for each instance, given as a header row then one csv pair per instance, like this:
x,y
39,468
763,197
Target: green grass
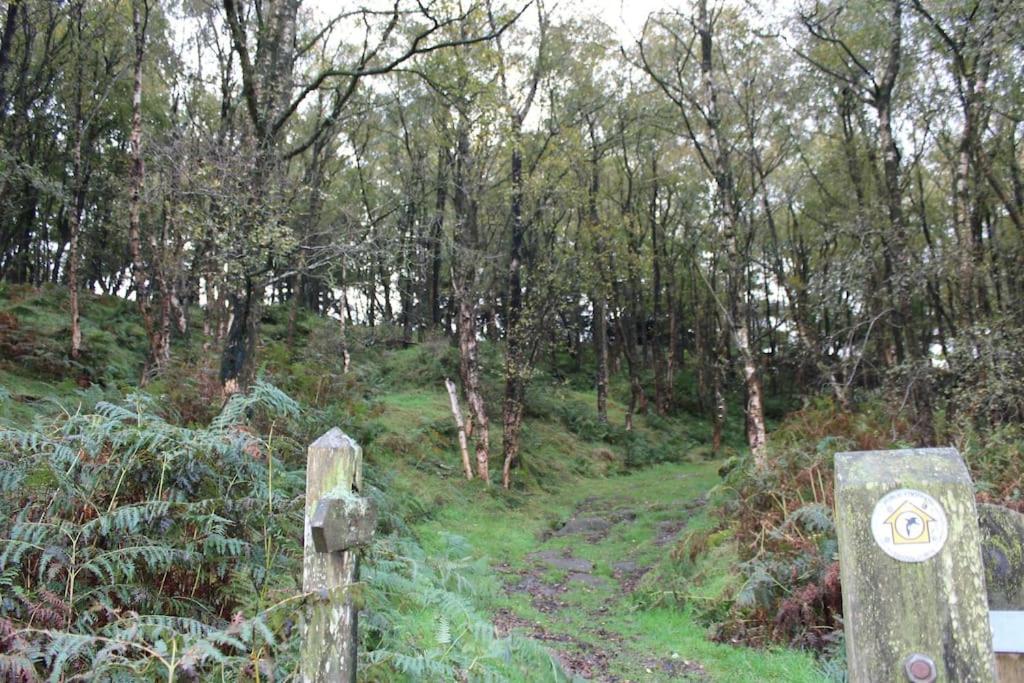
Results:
x,y
666,633
506,528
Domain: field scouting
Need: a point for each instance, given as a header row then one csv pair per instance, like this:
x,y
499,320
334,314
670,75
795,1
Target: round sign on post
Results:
x,y
909,525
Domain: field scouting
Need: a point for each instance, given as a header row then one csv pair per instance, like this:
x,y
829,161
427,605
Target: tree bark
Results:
x,y
460,425
515,359
601,351
6,38
74,227
77,192
433,293
738,316
155,358
239,346
342,323
469,367
464,283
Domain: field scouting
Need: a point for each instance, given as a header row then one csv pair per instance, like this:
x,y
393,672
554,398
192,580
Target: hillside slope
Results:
x,y
465,580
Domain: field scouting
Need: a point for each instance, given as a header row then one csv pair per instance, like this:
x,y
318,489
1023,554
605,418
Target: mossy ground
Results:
x,y
604,630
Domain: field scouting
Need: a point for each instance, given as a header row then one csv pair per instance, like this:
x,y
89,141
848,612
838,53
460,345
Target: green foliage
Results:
x,y
429,600
986,366
762,564
34,329
578,416
135,548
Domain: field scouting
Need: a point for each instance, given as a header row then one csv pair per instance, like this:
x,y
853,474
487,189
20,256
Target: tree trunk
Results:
x,y
433,293
342,322
74,227
726,194
515,358
601,352
155,357
657,336
629,349
464,282
469,368
236,360
512,424
460,425
77,207
5,50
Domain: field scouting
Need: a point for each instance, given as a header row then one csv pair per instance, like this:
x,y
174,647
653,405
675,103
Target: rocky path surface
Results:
x,y
574,590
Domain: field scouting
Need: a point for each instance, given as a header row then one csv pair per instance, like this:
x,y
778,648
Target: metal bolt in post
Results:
x,y
920,669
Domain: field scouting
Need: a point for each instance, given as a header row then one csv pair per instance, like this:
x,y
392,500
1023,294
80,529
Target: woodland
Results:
x,y
521,251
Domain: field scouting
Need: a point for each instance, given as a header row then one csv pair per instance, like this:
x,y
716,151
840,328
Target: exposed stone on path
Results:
x,y
534,586
677,667
576,657
669,531
628,573
559,560
549,593
584,525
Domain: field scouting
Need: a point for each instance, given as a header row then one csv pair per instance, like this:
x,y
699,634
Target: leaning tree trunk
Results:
x,y
469,369
460,426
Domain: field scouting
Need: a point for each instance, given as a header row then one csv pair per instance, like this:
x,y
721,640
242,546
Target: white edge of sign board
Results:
x,y
1007,631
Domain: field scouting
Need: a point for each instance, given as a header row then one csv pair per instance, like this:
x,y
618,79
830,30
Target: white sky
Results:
x,y
625,17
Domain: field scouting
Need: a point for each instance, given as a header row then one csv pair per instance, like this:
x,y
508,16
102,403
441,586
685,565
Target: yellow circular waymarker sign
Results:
x,y
909,525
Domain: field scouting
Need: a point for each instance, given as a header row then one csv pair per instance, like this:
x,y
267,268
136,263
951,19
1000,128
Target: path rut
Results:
x,y
582,573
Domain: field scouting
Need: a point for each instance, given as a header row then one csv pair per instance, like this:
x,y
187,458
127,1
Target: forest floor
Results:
x,y
569,570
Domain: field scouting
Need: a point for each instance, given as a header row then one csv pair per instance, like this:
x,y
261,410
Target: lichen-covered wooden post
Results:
x,y
914,605
1002,548
337,521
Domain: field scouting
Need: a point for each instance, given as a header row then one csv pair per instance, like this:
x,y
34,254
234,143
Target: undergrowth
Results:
x,y
135,548
760,564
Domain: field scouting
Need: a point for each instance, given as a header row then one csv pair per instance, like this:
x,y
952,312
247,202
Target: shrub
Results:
x,y
778,529
986,366
134,548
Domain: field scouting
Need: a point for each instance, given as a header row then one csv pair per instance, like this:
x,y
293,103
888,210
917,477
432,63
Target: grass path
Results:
x,y
568,563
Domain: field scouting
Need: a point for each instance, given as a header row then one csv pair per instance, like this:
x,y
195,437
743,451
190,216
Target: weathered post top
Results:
x,y
337,522
914,604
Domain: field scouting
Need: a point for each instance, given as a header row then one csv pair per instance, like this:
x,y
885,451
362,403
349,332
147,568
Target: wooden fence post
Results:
x,y
337,521
914,604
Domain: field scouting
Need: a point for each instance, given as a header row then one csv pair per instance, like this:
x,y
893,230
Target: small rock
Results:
x,y
580,525
554,559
